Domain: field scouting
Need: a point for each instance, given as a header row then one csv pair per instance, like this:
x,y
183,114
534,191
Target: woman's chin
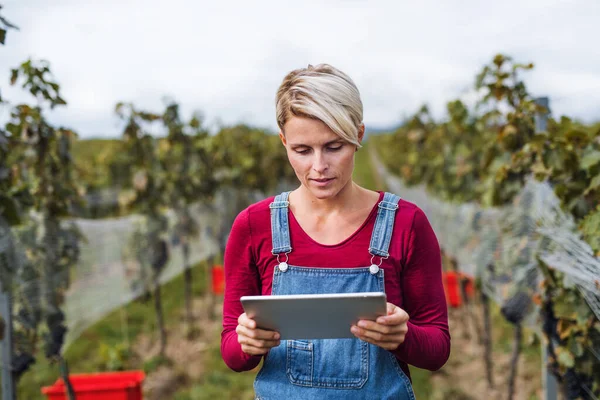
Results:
x,y
323,193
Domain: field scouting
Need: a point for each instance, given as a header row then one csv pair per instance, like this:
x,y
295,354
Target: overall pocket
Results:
x,y
328,363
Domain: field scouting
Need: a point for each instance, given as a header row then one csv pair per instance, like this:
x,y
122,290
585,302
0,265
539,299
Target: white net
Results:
x,y
107,274
501,245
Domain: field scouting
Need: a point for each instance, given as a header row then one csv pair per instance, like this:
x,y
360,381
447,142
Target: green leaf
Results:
x,y
563,308
565,357
595,184
576,347
590,227
14,75
590,159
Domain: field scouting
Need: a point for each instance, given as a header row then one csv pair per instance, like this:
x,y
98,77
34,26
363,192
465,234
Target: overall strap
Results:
x,y
280,228
384,225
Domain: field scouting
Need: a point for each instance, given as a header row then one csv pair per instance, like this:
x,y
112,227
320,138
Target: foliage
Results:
x,y
485,155
249,158
114,357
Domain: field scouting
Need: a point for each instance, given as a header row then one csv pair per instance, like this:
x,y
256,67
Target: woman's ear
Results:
x,y
282,137
361,133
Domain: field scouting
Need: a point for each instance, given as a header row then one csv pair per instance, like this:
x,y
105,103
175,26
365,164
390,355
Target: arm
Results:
x,y
241,279
427,342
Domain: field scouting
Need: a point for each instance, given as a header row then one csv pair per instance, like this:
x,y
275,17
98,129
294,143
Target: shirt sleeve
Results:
x,y
427,343
241,279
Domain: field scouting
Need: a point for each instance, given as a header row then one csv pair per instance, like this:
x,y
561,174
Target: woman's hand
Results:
x,y
255,341
387,332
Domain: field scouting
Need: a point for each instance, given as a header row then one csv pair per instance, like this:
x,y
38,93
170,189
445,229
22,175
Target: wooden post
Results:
x,y
487,338
549,383
6,362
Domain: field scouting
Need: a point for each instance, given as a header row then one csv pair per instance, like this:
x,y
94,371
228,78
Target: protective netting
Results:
x,y
108,273
501,245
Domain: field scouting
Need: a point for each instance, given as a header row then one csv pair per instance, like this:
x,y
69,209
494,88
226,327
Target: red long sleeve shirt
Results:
x,y
413,277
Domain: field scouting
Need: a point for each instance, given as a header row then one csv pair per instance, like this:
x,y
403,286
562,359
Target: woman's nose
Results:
x,y
320,163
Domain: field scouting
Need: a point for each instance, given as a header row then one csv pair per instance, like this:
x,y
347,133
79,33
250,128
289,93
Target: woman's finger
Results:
x,y
258,343
377,327
253,351
252,331
246,321
396,337
385,345
260,334
396,316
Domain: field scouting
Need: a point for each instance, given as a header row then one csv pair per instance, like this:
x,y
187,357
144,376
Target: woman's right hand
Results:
x,y
255,341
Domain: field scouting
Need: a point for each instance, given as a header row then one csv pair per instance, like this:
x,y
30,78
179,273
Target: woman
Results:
x,y
333,236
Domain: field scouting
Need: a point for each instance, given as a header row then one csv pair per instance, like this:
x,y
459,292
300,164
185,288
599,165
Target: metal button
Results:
x,y
283,266
373,269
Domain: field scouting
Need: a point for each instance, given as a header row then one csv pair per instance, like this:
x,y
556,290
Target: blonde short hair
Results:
x,y
325,93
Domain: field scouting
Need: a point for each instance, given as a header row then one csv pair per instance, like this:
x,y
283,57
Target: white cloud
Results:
x,y
227,58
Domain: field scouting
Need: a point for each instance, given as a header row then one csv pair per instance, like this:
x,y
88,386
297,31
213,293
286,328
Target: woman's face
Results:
x,y
322,161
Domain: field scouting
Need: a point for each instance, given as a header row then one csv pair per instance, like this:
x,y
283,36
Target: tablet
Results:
x,y
314,316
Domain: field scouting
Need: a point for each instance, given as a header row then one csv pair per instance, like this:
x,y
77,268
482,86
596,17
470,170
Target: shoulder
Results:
x,y
410,216
406,207
254,213
259,208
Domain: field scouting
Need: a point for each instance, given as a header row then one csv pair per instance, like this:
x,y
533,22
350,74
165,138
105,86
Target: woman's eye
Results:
x,y
334,148
302,151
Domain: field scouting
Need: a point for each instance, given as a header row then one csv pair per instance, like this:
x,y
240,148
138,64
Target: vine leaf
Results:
x,y
564,357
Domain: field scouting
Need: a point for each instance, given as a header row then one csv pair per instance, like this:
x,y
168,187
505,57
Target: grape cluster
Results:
x,y
57,330
516,307
21,363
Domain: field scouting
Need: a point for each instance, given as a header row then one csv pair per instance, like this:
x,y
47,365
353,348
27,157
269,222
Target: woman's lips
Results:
x,y
322,182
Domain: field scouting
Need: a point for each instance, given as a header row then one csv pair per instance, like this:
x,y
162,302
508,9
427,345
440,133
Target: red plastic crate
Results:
x,y
451,282
451,288
218,279
126,385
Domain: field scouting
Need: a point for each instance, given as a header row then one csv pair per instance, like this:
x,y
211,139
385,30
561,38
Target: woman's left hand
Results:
x,y
387,332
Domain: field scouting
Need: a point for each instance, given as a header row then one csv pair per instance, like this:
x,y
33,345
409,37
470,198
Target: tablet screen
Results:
x,y
314,316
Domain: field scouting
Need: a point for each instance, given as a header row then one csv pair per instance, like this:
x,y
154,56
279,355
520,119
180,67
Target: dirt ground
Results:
x,y
464,376
184,355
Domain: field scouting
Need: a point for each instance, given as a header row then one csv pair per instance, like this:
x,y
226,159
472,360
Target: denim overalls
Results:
x,y
331,368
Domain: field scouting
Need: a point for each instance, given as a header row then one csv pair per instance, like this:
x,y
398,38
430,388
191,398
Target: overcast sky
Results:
x,y
227,58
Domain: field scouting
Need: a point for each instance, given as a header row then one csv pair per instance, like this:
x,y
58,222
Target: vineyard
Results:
x,y
514,196
109,248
